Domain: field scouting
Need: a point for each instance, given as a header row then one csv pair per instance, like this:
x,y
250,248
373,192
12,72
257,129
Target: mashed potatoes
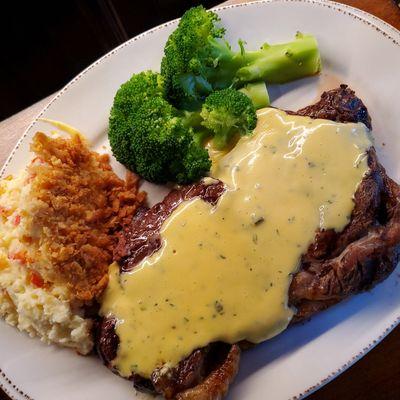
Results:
x,y
57,223
25,302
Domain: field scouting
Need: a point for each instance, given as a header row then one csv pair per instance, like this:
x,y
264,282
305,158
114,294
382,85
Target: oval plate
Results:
x,y
357,49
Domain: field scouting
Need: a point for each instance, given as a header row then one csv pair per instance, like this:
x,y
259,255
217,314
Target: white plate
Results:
x,y
357,49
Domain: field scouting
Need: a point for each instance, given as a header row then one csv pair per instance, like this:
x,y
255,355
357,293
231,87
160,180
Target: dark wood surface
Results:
x,y
374,377
46,43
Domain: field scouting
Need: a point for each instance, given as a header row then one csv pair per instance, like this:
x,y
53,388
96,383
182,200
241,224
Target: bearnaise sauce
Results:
x,y
223,272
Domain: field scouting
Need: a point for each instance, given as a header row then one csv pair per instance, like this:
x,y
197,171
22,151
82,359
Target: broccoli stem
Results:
x,y
191,119
226,64
201,136
222,138
281,63
258,94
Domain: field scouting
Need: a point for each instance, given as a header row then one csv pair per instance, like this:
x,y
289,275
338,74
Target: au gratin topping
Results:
x,y
57,218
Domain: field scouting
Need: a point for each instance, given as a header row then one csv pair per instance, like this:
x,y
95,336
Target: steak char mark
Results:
x,y
336,265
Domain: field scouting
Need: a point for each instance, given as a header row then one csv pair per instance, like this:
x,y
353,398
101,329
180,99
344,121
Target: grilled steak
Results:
x,y
338,265
340,105
335,266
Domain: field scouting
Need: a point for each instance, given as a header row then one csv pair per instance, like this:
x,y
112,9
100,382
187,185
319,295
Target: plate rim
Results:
x,y
371,20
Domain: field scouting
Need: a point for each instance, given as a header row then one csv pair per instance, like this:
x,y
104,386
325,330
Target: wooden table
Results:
x,y
377,375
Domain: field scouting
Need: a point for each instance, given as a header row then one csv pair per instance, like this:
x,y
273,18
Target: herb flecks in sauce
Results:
x,y
229,277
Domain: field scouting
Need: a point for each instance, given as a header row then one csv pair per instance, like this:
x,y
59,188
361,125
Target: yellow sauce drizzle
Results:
x,y
224,271
63,127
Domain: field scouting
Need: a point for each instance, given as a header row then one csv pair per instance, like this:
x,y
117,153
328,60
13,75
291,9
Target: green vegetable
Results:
x,y
228,113
192,53
193,119
148,135
128,98
198,61
258,94
281,63
200,136
160,122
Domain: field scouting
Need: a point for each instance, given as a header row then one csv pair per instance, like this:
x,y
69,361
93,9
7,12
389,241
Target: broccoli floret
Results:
x,y
139,87
128,98
228,113
163,147
193,120
149,137
194,164
192,54
198,61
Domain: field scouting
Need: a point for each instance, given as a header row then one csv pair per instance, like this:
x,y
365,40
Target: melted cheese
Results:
x,y
224,271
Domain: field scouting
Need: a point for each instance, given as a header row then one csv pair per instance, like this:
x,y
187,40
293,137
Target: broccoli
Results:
x,y
197,60
193,120
258,94
128,98
194,164
148,136
281,63
192,53
228,113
